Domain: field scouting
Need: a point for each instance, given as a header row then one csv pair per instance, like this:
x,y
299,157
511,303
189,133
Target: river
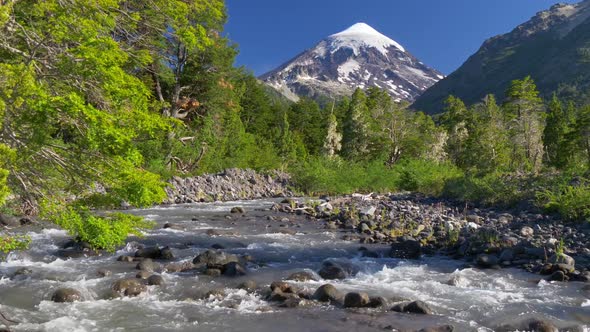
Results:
x,y
469,299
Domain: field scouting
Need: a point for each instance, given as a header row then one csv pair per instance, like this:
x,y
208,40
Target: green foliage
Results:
x,y
101,232
10,243
489,189
425,176
571,202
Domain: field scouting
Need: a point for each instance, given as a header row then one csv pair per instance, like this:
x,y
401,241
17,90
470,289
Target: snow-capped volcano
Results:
x,y
358,57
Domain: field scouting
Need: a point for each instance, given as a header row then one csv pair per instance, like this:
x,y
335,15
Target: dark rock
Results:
x,y
333,272
567,269
179,267
416,307
129,287
143,275
237,209
166,253
541,325
377,302
217,246
302,276
152,252
487,261
507,255
233,269
215,259
406,248
558,276
66,295
356,300
295,302
155,280
10,221
328,293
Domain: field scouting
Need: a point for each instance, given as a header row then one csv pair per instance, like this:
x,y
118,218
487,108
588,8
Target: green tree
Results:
x,y
555,134
355,141
455,121
487,149
524,112
70,112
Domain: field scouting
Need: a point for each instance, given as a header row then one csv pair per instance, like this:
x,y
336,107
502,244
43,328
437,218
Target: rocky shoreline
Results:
x,y
230,185
415,225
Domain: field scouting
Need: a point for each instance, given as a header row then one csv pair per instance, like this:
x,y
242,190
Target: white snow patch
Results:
x,y
362,35
348,67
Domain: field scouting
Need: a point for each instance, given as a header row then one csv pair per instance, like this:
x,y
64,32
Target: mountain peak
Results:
x,y
362,34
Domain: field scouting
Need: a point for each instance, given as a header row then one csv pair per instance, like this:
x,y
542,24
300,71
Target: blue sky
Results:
x,y
441,33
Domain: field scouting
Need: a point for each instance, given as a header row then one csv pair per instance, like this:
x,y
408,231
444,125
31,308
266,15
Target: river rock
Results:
x,y
377,302
104,273
66,295
527,231
507,255
558,276
541,325
143,275
368,211
155,253
328,293
237,209
147,265
215,259
563,258
406,247
283,287
487,261
332,272
127,259
155,280
416,307
129,287
356,300
233,269
302,276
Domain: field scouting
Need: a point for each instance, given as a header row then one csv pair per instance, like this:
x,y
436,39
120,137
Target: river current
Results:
x,y
469,299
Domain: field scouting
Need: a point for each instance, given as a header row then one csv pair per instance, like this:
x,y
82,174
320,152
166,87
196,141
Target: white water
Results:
x,y
469,299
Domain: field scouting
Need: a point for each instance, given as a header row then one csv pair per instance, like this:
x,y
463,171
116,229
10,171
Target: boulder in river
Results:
x,y
233,269
129,287
215,259
66,295
302,276
406,247
487,261
332,272
356,300
237,209
416,307
328,293
155,280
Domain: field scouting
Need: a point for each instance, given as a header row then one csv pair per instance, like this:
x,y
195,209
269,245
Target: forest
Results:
x,y
103,101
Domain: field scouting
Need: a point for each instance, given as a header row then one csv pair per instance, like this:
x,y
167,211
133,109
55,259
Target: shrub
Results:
x,y
424,176
571,202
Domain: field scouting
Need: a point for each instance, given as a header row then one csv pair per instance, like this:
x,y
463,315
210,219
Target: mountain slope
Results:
x,y
359,56
553,48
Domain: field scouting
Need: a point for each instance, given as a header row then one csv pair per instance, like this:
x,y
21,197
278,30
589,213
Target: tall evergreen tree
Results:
x,y
555,133
355,141
524,113
333,141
